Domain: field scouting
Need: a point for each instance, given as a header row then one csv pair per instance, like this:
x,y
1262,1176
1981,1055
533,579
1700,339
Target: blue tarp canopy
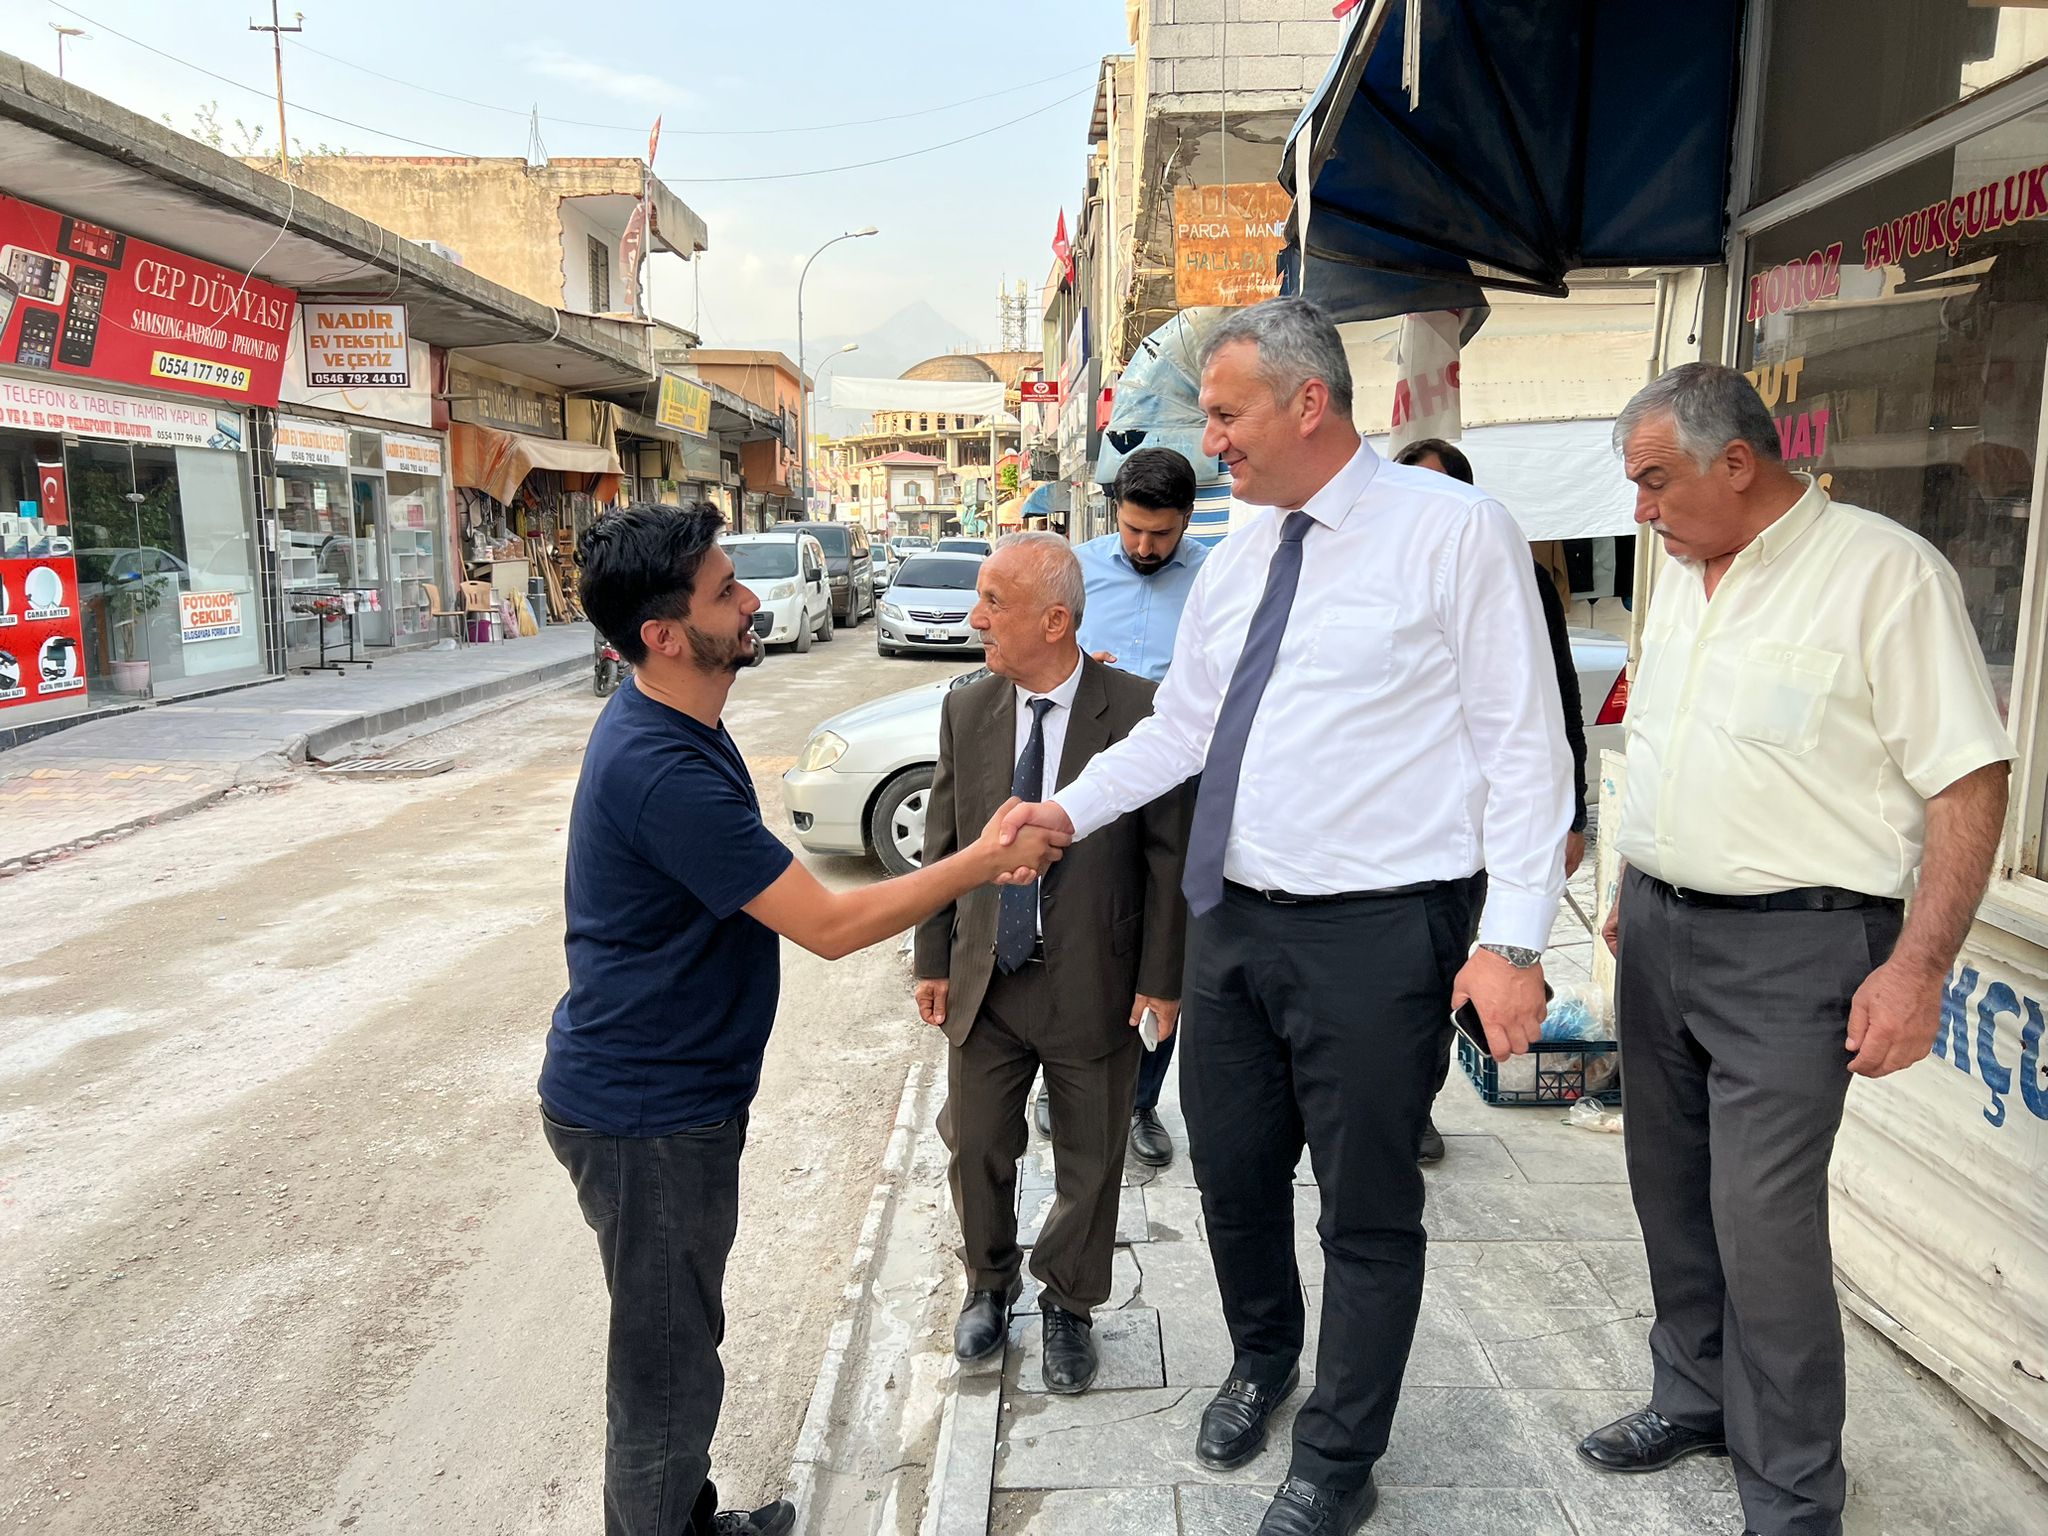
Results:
x,y
1547,138
1038,503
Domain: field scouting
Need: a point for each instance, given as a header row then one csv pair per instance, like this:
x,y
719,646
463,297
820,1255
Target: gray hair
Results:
x,y
1710,407
1296,341
1059,568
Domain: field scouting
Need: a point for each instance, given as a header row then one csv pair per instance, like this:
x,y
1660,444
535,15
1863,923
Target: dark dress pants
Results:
x,y
1732,1027
1152,1073
1320,1024
664,1209
988,1083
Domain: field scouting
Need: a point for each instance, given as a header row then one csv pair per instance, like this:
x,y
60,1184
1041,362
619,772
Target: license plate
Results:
x,y
935,634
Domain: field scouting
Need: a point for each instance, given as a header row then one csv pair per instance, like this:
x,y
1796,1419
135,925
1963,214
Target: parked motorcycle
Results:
x,y
611,669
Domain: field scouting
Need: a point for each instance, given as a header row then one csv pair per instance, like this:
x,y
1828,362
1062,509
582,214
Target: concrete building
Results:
x,y
774,387
552,232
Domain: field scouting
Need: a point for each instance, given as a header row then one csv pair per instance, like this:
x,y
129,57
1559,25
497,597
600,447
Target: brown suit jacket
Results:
x,y
1115,923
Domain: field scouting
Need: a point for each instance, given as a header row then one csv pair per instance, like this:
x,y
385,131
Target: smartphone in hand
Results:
x,y
1466,1018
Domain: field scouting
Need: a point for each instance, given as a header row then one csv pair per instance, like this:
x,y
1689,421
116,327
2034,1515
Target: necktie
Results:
x,y
1202,879
1017,927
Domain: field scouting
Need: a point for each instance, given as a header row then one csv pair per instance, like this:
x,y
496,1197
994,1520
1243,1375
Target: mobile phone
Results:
x,y
1466,1019
93,242
82,317
1148,1029
8,294
36,346
36,275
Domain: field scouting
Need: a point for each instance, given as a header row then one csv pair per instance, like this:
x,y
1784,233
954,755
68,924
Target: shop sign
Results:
x,y
412,406
42,637
685,405
1946,224
700,460
1227,243
356,346
487,402
86,301
209,616
1075,357
408,455
1039,392
316,444
1796,284
88,411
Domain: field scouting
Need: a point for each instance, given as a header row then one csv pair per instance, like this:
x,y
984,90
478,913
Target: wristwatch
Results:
x,y
1521,959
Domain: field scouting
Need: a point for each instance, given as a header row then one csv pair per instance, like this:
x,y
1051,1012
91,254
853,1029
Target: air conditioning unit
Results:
x,y
445,252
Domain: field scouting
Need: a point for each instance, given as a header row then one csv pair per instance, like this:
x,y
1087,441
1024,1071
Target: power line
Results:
x,y
825,170
707,133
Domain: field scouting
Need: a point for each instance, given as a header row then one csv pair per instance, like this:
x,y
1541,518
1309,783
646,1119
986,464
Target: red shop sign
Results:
x,y
1041,391
84,301
42,638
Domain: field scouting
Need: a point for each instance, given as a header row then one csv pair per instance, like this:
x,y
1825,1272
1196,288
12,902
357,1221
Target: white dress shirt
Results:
x,y
1790,731
1056,720
1411,730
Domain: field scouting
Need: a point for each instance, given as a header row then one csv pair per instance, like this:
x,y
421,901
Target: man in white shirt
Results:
x,y
1811,727
1361,680
1021,978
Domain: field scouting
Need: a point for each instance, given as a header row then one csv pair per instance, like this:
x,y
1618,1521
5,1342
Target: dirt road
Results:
x,y
281,1244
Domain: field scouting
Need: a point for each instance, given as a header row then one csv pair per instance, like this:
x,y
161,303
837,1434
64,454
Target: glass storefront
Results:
x,y
129,570
362,532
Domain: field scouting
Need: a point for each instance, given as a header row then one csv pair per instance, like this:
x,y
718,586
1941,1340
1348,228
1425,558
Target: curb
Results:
x,y
320,743
812,1459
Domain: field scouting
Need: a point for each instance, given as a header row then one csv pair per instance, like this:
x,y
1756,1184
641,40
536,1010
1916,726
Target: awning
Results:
x,y
1041,502
1544,139
494,462
1560,479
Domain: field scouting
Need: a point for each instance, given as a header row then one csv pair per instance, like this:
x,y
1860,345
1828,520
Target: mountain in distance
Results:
x,y
912,334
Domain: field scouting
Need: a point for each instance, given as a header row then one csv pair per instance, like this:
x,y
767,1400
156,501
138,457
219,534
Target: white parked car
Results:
x,y
926,606
860,784
787,572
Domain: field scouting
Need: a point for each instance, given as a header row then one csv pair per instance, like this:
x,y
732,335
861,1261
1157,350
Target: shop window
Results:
x,y
1905,60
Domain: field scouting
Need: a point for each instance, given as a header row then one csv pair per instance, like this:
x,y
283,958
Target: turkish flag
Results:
x,y
56,508
1062,247
653,143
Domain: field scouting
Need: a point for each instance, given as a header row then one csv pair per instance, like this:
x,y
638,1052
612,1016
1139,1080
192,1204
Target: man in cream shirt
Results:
x,y
1812,738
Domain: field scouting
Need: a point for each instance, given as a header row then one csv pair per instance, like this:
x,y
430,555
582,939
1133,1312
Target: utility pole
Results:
x,y
63,32
277,30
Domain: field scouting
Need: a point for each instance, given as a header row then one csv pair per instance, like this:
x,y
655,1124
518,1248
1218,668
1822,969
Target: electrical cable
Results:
x,y
707,133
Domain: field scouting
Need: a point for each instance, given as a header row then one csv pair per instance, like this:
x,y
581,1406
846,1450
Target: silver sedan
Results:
x,y
927,604
862,780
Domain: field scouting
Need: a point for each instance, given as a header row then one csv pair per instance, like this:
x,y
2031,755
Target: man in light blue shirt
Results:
x,y
1138,580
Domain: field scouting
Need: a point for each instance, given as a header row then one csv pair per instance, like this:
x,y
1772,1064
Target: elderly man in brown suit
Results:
x,y
1058,976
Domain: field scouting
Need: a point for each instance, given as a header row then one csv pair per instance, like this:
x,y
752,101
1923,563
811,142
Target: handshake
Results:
x,y
1022,841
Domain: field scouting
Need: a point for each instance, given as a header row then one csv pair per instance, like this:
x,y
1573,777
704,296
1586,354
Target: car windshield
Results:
x,y
765,561
965,546
832,535
938,573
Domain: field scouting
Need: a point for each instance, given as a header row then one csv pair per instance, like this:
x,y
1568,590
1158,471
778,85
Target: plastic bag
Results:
x,y
1589,1114
1579,1013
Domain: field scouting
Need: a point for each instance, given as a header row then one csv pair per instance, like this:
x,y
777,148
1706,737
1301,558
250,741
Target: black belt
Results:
x,y
1809,898
1289,899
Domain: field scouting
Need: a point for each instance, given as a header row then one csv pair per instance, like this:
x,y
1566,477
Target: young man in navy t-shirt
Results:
x,y
674,897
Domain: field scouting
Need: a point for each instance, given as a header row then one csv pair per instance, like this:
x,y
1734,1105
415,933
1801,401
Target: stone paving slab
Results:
x,y
1034,1204
1098,1511
1213,1511
1123,1440
1128,1343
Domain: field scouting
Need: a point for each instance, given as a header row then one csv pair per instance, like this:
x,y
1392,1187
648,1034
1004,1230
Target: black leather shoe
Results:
x,y
1300,1508
1042,1113
1234,1424
1150,1143
984,1322
1646,1441
1069,1361
777,1519
1430,1149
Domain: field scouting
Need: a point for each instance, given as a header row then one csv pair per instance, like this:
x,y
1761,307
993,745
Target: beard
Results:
x,y
721,653
1149,565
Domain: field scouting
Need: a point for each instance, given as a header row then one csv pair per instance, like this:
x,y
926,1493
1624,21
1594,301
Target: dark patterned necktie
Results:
x,y
1216,801
1017,927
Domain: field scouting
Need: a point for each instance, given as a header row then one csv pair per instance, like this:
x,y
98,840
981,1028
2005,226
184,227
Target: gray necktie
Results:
x,y
1202,879
1017,922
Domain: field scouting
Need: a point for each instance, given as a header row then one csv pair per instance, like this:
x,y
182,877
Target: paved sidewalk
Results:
x,y
107,776
1534,1331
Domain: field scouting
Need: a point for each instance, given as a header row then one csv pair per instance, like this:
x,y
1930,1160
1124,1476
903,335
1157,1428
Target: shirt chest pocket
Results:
x,y
1780,695
1351,649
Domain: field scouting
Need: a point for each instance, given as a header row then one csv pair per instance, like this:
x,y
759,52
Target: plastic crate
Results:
x,y
1560,1079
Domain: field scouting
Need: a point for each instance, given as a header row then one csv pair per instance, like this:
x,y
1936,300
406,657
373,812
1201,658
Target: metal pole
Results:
x,y
803,389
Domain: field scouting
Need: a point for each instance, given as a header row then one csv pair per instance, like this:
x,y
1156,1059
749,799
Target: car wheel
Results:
x,y
848,622
896,824
825,630
802,643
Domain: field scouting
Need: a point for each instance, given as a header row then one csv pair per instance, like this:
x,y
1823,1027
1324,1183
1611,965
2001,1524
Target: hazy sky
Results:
x,y
954,222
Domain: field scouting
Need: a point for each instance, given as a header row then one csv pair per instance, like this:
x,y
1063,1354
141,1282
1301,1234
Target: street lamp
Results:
x,y
851,346
803,391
